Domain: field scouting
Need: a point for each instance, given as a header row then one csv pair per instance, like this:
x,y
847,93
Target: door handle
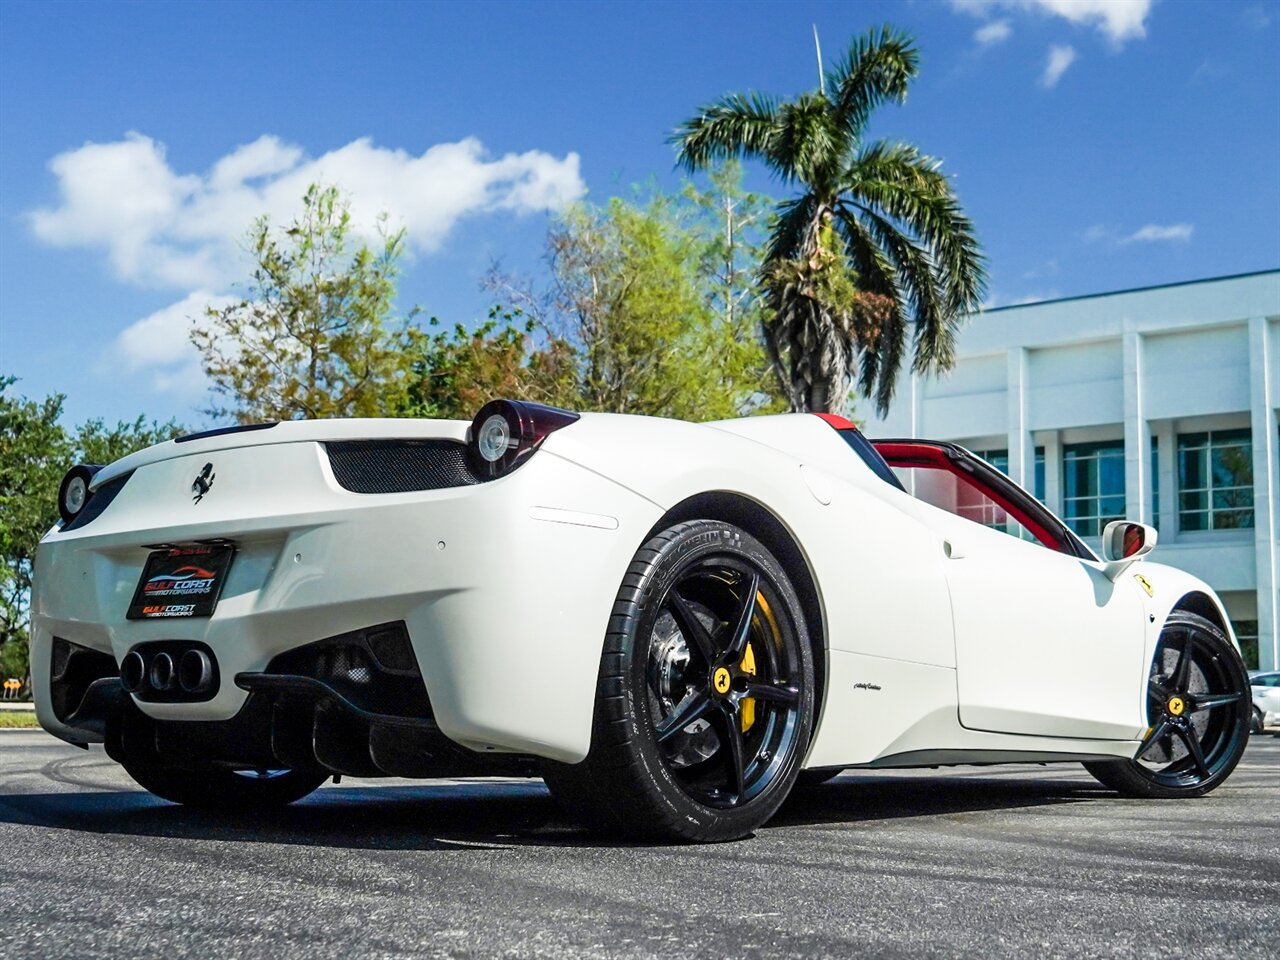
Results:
x,y
952,550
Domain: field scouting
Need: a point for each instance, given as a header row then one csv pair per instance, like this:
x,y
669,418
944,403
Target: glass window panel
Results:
x,y
1233,499
1233,519
1093,475
1076,476
1111,507
1155,483
1215,480
1247,633
1232,466
1243,435
1194,521
1191,468
1039,481
1111,470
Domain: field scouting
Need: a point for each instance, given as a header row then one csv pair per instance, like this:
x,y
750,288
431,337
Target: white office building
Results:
x,y
1157,404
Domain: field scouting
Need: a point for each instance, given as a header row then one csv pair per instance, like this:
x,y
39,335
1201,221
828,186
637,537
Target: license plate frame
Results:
x,y
183,581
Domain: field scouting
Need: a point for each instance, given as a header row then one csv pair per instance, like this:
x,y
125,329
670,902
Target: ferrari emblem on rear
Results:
x,y
203,483
1146,584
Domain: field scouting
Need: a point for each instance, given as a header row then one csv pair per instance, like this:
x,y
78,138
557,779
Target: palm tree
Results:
x,y
873,251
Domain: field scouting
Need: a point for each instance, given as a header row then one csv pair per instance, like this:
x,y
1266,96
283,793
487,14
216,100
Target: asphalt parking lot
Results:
x,y
995,861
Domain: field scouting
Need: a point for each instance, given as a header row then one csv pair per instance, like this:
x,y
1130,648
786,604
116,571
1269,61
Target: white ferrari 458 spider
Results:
x,y
670,622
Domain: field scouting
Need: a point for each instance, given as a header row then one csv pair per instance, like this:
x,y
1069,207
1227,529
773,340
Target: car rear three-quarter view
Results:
x,y
240,614
666,621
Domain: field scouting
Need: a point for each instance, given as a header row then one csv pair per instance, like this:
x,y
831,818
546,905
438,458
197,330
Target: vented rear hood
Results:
x,y
292,431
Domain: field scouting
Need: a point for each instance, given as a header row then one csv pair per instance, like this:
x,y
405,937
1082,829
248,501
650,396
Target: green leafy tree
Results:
x,y
96,442
456,370
729,222
654,306
317,334
880,214
35,452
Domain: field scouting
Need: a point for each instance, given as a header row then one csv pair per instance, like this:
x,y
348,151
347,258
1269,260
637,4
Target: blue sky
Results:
x,y
1098,145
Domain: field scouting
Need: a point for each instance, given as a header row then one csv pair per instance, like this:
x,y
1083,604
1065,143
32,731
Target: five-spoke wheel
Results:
x,y
705,695
1198,708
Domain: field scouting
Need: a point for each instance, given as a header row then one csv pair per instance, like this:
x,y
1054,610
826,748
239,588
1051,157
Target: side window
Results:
x,y
956,494
954,480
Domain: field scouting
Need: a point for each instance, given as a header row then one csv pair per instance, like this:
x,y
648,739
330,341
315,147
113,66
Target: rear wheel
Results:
x,y
705,694
1198,708
1256,725
215,788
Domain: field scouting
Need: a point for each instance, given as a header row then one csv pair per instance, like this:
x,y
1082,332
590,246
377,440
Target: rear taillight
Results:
x,y
74,494
506,432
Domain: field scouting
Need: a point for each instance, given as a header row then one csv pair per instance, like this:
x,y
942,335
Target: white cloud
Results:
x,y
989,34
160,227
1118,20
1255,17
161,343
1047,269
1154,232
1151,233
1060,58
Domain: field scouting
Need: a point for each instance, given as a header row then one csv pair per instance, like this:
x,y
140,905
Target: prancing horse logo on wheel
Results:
x,y
203,483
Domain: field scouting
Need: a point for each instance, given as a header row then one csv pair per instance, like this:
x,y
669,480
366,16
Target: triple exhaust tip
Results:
x,y
192,674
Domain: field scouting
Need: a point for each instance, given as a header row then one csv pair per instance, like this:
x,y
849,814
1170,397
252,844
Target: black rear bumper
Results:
x,y
353,705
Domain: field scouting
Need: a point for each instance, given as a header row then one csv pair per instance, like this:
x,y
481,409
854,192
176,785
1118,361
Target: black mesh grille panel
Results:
x,y
358,666
399,466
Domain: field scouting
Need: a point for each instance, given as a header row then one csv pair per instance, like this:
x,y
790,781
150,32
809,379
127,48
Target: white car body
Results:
x,y
941,641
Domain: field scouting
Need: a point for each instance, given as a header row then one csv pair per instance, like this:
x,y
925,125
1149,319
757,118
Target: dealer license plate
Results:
x,y
182,581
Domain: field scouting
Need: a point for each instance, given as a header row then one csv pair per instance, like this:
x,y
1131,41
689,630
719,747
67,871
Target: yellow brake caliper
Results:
x,y
748,705
748,665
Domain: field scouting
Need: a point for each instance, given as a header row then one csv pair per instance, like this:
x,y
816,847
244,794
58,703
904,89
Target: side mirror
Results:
x,y
1124,543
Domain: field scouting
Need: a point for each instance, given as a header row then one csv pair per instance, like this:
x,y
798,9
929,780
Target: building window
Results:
x,y
1092,485
1155,483
997,458
1215,480
1247,633
1000,460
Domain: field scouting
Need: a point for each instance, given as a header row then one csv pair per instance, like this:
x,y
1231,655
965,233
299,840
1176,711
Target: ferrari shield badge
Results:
x,y
1146,584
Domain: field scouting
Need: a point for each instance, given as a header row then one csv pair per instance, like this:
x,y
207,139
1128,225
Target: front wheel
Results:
x,y
705,694
1198,708
215,788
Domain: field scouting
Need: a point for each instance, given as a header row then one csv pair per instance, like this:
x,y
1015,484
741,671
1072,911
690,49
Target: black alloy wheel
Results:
x,y
705,702
1198,709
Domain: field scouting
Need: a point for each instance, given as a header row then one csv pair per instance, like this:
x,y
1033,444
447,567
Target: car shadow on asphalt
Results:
x,y
471,815
858,797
